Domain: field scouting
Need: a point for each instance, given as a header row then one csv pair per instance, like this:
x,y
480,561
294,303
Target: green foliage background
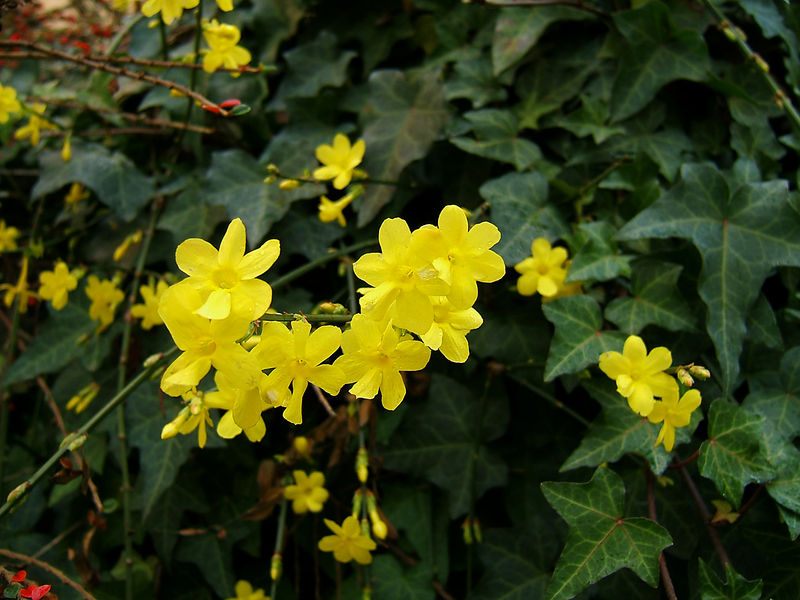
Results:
x,y
636,133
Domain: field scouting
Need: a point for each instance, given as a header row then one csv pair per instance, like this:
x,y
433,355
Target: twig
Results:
x,y
706,515
323,400
101,66
669,588
29,560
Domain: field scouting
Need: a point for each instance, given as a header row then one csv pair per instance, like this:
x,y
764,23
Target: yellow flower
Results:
x,y
75,195
330,211
674,413
640,376
148,311
203,342
339,160
244,591
373,358
104,296
20,290
461,254
543,270
243,408
226,279
169,9
8,102
399,276
193,416
448,333
222,39
308,493
56,284
8,237
295,357
35,125
347,543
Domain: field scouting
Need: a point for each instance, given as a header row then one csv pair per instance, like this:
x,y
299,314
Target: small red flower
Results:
x,y
19,576
35,592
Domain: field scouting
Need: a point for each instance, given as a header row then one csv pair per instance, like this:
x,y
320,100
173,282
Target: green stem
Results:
x,y
733,33
273,589
122,429
310,266
91,424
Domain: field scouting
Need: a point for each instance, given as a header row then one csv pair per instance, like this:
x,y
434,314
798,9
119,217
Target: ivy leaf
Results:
x,y
618,431
402,118
444,441
311,67
160,460
509,572
395,582
655,54
55,346
654,300
497,137
741,235
236,181
735,587
521,211
112,176
731,457
578,340
601,539
597,256
518,29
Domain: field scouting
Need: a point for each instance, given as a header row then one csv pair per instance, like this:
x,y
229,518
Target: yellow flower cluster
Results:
x,y
545,272
641,377
423,283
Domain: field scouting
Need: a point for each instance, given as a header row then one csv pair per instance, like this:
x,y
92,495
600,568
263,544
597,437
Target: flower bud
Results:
x,y
362,464
276,567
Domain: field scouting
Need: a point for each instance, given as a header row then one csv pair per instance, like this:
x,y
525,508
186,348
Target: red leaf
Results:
x,y
20,576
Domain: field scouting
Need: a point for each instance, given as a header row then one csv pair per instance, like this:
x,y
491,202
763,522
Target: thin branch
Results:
x,y
101,66
706,515
669,588
29,560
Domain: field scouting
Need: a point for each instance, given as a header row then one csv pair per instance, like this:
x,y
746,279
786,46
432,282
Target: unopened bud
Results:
x,y
700,372
362,464
276,567
289,184
683,376
358,500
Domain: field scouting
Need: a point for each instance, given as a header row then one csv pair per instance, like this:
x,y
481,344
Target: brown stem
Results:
x,y
29,560
706,515
669,588
101,66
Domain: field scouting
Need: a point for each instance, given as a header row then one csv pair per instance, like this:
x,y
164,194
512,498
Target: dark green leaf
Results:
x,y
579,339
402,118
497,137
601,539
731,457
741,234
654,299
509,572
521,212
112,176
444,440
519,28
656,54
311,67
618,431
597,256
236,181
735,587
